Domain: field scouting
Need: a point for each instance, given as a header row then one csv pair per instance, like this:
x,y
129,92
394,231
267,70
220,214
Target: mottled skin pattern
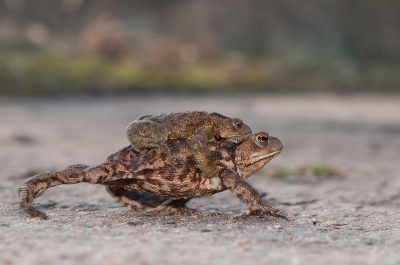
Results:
x,y
200,127
133,181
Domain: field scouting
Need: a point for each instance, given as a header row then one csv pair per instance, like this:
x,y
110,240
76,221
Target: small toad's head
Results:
x,y
227,127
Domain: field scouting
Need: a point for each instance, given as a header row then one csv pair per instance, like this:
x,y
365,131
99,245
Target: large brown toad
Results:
x,y
133,181
200,127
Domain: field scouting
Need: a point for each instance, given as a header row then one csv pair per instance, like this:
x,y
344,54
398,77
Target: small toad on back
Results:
x,y
200,127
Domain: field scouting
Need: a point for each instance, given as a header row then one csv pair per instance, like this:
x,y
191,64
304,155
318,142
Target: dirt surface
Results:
x,y
353,218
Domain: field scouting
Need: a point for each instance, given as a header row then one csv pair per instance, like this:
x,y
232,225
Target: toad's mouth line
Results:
x,y
260,157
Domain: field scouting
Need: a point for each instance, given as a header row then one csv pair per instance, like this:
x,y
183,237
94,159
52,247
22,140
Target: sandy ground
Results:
x,y
351,219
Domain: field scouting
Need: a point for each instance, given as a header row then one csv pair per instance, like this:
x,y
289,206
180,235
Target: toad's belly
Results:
x,y
194,185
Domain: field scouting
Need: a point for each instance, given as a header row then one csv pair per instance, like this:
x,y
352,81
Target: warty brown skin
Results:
x,y
134,181
199,127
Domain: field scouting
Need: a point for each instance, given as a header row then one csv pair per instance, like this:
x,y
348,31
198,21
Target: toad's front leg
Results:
x,y
244,192
202,155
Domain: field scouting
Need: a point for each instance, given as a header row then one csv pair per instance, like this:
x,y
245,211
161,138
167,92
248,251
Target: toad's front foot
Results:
x,y
210,171
158,151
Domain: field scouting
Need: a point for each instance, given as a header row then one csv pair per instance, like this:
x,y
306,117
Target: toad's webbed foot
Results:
x,y
244,192
33,212
173,207
161,150
32,188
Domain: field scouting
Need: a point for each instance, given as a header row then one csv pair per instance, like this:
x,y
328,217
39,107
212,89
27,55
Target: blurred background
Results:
x,y
323,76
53,47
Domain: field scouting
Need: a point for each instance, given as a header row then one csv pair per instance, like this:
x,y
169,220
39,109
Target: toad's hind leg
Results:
x,y
147,134
35,185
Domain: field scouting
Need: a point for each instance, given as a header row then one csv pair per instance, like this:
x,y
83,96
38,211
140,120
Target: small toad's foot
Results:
x,y
160,150
171,159
256,211
32,212
167,210
210,172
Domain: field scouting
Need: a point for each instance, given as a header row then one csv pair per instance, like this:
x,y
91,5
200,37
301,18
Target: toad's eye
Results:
x,y
262,139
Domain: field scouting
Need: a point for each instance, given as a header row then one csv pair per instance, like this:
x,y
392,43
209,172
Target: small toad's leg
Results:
x,y
35,185
147,134
174,207
121,195
244,192
202,155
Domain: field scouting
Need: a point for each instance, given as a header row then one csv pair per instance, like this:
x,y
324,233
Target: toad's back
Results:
x,y
181,124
